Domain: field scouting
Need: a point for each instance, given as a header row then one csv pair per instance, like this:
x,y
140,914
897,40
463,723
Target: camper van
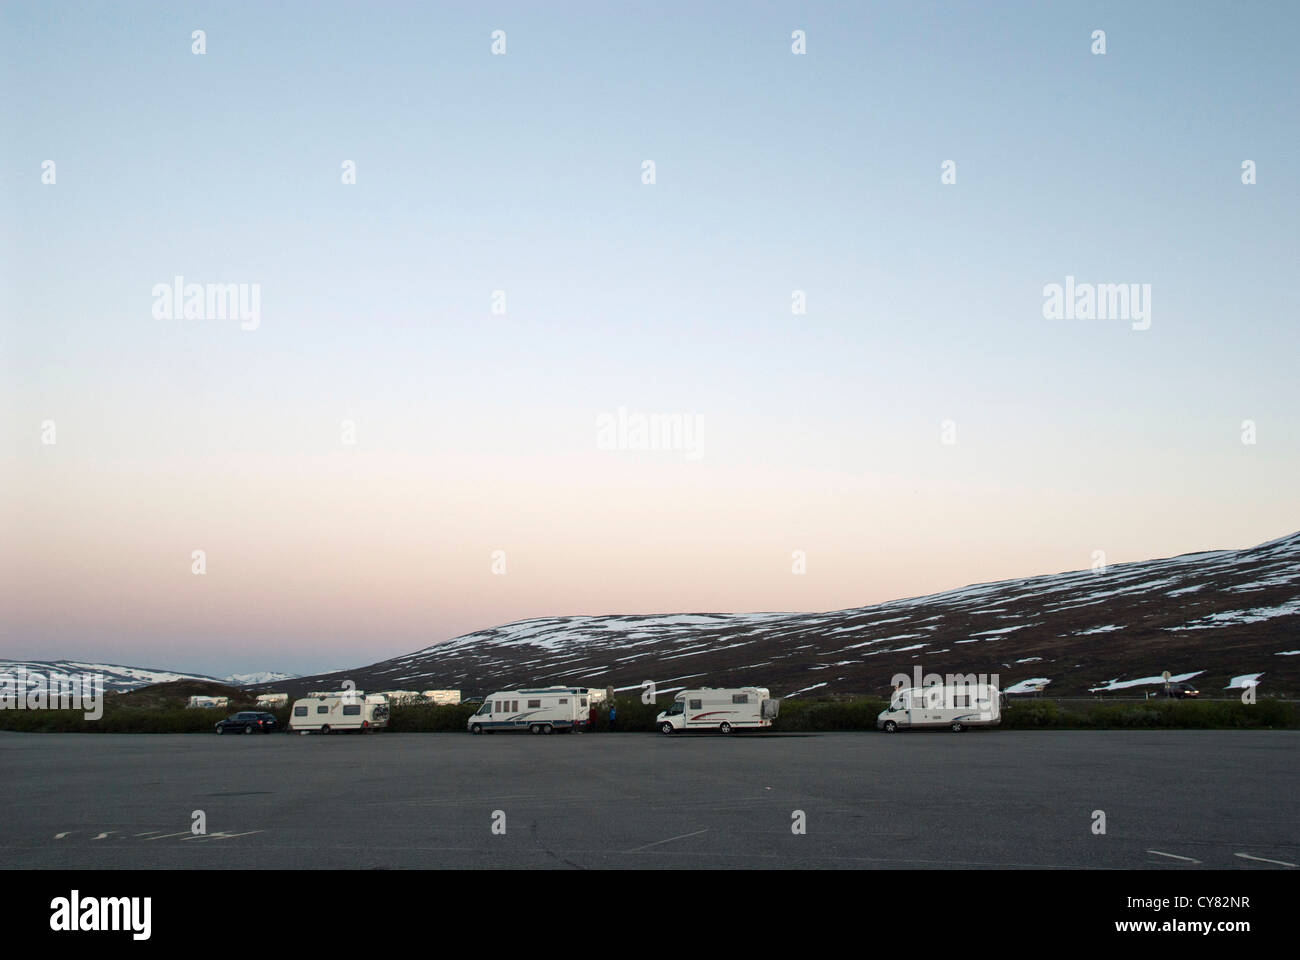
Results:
x,y
333,713
955,706
723,710
537,711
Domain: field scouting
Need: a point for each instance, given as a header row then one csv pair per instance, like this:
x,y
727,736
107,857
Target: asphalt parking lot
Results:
x,y
1171,799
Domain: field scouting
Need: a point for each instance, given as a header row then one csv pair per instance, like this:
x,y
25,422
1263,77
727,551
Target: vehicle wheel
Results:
x,y
547,728
725,728
325,729
248,729
957,727
534,728
890,726
476,729
666,728
221,730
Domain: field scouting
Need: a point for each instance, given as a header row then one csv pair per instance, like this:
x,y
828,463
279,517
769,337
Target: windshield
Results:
x,y
486,708
676,707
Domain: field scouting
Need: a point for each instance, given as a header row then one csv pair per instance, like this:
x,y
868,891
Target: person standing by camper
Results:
x,y
613,714
591,718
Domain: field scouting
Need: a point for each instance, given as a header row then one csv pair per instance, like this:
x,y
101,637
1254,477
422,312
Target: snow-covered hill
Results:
x,y
1210,616
116,677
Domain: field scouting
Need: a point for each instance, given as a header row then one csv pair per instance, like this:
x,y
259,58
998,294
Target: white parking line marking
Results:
x,y
669,840
229,836
146,833
103,835
1247,856
60,836
1174,855
183,833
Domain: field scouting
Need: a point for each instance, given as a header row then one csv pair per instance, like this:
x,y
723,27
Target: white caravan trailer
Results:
x,y
537,711
331,714
272,699
724,710
956,706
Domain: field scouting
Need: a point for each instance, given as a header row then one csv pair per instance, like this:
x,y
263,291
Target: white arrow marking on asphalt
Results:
x,y
1174,855
60,836
1247,856
103,835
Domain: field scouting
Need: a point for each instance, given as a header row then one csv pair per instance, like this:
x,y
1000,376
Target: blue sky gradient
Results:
x,y
522,172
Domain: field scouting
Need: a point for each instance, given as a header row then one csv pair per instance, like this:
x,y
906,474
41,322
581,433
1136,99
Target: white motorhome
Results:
x,y
956,706
272,700
721,709
537,711
334,713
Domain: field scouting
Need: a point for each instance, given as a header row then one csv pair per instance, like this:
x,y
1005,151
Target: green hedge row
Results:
x,y
796,716
1152,715
121,720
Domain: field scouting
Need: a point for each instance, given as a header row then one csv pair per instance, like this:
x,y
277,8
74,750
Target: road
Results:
x,y
1171,799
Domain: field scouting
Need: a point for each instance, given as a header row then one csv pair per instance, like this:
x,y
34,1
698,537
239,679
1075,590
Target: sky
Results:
x,y
417,434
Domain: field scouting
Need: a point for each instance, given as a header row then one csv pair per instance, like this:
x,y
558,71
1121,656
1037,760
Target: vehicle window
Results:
x,y
740,698
582,702
536,704
351,709
300,711
564,701
322,709
697,704
485,709
677,707
514,706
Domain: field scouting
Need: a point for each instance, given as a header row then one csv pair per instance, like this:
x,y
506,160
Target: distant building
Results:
x,y
202,703
442,697
400,696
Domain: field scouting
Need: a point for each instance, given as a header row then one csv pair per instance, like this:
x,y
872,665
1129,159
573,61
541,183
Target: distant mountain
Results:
x,y
1211,617
123,679
116,677
262,677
